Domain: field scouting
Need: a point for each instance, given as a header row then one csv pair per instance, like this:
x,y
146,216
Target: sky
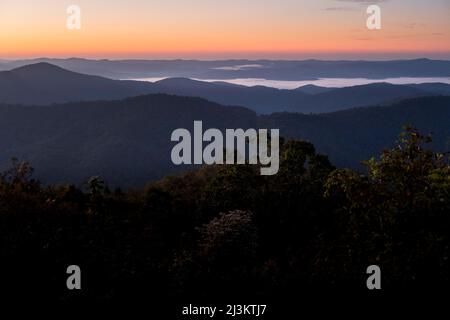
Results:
x,y
216,29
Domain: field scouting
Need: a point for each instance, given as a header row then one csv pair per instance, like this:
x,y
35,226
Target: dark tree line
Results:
x,y
225,230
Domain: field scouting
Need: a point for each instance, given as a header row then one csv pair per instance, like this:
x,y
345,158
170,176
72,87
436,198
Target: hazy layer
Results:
x,y
323,82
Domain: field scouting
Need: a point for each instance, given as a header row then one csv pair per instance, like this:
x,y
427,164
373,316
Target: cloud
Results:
x,y
240,67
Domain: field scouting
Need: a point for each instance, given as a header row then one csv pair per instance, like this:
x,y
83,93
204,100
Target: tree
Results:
x,y
230,237
396,214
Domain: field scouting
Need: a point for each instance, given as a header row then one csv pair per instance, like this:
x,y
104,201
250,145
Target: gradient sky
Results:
x,y
209,29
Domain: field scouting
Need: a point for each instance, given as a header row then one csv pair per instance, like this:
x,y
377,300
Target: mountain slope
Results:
x,y
43,83
128,141
436,88
358,96
259,98
353,135
313,89
125,141
267,100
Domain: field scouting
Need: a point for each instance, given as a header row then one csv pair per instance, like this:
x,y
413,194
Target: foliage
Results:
x,y
227,230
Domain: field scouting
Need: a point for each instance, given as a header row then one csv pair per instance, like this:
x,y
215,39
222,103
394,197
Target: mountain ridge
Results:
x,y
269,69
44,84
128,141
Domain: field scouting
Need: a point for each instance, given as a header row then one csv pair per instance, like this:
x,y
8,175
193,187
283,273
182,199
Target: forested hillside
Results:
x,y
226,231
127,142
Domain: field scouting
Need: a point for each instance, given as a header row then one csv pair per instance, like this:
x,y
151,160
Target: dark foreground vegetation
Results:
x,y
226,230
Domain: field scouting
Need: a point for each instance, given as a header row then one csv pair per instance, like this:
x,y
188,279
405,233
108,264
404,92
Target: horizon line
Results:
x,y
7,59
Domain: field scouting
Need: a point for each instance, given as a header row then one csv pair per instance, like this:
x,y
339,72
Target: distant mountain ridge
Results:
x,y
313,89
44,84
232,69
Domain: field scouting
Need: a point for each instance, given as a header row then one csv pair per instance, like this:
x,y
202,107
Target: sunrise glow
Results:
x,y
217,29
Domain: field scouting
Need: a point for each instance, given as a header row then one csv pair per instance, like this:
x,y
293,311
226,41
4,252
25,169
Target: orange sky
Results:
x,y
220,29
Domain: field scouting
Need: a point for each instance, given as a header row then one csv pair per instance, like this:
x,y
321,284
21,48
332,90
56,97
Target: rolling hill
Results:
x,y
350,136
258,98
44,84
128,141
311,99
